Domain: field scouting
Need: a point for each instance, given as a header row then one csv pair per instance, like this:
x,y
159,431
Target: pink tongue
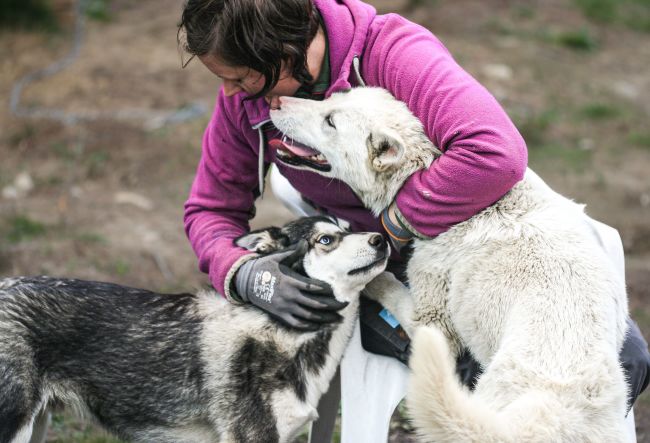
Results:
x,y
294,147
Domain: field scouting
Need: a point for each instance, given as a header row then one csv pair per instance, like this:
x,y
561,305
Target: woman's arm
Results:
x,y
222,196
483,153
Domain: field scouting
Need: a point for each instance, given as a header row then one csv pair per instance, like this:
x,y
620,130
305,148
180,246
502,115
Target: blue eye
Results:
x,y
325,240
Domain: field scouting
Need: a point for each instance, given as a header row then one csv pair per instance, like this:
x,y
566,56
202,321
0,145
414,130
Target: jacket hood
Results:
x,y
346,26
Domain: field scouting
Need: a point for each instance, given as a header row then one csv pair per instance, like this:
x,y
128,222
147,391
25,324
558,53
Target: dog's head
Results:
x,y
365,137
346,261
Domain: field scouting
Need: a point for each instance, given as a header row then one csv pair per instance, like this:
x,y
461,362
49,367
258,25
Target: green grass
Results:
x,y
578,40
414,4
64,151
23,134
121,268
603,11
641,315
524,11
534,127
22,228
559,157
91,238
92,163
634,14
639,22
599,111
98,10
640,139
96,163
69,430
38,15
27,14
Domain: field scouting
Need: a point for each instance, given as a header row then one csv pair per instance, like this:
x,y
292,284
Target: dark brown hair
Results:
x,y
258,34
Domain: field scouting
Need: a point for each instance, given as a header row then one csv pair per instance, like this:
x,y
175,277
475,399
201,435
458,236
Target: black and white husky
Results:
x,y
179,368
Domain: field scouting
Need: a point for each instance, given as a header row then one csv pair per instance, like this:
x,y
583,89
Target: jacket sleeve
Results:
x,y
483,153
221,199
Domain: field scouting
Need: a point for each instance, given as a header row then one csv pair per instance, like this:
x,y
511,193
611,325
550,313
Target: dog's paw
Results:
x,y
384,288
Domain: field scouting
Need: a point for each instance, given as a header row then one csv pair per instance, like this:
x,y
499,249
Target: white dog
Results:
x,y
523,285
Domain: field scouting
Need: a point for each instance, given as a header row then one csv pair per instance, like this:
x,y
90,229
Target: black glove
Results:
x,y
271,284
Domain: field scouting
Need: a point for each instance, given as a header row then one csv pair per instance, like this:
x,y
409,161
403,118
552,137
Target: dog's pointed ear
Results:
x,y
263,241
385,149
341,223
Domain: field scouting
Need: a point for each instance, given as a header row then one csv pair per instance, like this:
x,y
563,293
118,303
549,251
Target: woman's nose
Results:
x,y
274,102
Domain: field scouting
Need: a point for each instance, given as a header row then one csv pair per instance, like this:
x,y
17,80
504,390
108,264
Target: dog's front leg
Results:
x,y
430,292
391,293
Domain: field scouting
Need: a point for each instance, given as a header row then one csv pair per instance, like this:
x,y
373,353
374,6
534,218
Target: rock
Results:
x,y
76,192
586,144
10,193
497,71
625,89
20,188
645,200
131,198
24,182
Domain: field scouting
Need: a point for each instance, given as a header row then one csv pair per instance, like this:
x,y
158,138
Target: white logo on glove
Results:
x,y
264,286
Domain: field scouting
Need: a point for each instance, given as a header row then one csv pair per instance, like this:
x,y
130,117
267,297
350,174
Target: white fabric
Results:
x,y
373,385
611,242
371,388
288,195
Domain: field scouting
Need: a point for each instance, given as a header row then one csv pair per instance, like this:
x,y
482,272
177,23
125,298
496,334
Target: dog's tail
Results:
x,y
443,410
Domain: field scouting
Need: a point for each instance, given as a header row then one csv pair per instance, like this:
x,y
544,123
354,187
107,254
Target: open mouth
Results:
x,y
294,153
366,268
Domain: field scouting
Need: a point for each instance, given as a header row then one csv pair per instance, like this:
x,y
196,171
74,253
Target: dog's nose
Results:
x,y
377,241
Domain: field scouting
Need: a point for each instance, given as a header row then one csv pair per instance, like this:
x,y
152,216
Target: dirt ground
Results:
x,y
103,199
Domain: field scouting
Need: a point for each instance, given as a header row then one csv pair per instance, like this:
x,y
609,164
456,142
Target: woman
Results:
x,y
263,50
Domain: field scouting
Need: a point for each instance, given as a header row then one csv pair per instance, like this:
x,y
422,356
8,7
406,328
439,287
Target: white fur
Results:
x,y
294,413
25,434
523,284
227,321
226,325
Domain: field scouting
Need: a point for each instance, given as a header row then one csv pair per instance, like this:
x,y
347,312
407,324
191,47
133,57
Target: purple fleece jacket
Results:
x,y
483,153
